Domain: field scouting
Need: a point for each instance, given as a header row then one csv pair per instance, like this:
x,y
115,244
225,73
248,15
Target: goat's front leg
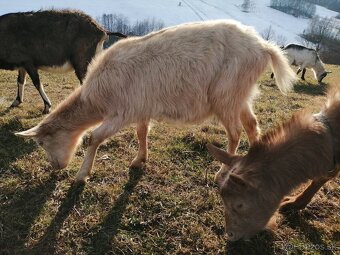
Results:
x,y
142,156
233,129
21,86
104,131
250,124
301,200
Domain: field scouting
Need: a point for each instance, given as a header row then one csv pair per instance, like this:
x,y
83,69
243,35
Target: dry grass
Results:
x,y
165,208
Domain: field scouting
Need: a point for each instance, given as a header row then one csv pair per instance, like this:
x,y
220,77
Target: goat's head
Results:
x,y
58,143
322,75
246,210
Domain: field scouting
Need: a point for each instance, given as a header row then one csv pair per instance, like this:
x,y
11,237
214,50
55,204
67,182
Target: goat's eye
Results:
x,y
239,206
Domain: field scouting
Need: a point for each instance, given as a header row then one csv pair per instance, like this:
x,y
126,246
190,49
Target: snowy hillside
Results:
x,y
172,13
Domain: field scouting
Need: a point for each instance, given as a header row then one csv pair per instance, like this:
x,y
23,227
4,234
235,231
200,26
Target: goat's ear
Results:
x,y
272,224
220,155
30,133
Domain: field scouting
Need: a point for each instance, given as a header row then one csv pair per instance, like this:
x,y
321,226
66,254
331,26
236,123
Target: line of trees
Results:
x,y
297,8
120,23
333,5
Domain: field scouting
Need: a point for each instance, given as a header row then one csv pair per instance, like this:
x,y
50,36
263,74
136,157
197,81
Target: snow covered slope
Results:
x,y
172,13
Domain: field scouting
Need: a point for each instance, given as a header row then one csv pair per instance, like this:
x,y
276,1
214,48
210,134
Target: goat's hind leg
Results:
x,y
142,156
33,73
104,131
233,129
301,200
21,85
250,124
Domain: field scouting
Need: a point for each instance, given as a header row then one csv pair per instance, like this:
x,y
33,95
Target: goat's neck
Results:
x,y
319,68
300,161
75,115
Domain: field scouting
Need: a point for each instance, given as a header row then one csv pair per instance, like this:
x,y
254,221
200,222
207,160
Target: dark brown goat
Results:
x,y
48,40
253,187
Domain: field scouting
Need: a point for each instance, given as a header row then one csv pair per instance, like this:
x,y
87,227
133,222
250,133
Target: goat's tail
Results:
x,y
284,75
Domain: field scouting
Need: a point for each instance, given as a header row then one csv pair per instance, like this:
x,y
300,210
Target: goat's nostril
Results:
x,y
230,234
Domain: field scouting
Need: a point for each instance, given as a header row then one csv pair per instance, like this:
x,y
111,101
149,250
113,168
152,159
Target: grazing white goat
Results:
x,y
184,73
303,57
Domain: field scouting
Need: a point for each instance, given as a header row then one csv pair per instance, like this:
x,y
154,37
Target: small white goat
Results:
x,y
184,74
303,57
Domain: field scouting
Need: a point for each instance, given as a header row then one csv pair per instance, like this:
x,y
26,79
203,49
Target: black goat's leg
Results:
x,y
33,73
21,85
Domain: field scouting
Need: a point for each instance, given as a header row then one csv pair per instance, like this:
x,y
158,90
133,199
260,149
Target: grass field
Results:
x,y
165,208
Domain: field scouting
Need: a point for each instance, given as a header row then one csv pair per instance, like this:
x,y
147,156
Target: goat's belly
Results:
x,y
184,116
66,67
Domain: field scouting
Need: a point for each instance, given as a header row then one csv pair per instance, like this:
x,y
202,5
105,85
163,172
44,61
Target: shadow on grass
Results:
x,y
18,211
298,222
101,241
7,110
310,89
261,244
47,243
13,147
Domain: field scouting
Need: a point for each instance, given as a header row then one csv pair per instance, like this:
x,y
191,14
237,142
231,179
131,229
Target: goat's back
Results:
x,y
181,70
45,37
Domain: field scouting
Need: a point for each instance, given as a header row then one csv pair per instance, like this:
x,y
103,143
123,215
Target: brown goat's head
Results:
x,y
246,209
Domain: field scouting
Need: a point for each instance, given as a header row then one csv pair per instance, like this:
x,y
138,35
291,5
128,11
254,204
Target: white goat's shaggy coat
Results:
x,y
184,74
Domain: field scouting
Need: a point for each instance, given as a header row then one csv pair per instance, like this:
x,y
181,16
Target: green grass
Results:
x,y
165,208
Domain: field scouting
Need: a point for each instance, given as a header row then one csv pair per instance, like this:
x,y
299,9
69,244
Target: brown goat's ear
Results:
x,y
30,133
220,155
272,224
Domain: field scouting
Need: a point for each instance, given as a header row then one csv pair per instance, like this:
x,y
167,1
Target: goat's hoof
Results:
x,y
80,181
15,103
46,110
138,163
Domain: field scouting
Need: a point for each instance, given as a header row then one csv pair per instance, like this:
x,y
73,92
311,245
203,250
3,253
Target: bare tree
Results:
x,y
268,34
281,40
323,33
318,30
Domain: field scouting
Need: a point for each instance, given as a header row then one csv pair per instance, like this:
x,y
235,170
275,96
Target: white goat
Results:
x,y
184,74
303,57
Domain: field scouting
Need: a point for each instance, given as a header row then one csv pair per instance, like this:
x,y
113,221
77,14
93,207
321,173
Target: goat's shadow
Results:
x,y
7,110
298,222
19,207
101,241
310,89
13,147
261,244
18,213
47,243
